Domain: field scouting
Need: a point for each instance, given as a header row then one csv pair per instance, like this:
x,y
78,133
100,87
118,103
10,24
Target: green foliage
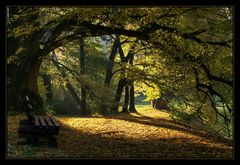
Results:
x,y
98,93
50,108
178,42
151,90
206,119
189,118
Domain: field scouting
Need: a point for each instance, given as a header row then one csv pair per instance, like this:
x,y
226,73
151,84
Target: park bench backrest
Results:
x,y
29,108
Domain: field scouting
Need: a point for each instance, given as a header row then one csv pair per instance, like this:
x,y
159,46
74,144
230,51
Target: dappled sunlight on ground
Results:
x,y
147,111
135,135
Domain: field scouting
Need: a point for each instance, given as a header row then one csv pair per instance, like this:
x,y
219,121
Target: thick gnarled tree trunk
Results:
x,y
23,71
24,82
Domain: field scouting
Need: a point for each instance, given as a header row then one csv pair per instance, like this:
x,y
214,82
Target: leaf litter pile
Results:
x,y
148,134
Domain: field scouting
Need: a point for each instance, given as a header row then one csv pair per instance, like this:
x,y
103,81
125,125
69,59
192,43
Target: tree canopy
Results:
x,y
185,52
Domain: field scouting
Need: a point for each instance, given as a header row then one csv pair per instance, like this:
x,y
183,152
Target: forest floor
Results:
x,y
147,134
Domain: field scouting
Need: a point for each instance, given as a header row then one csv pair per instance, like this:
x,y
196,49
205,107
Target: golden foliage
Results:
x,y
124,136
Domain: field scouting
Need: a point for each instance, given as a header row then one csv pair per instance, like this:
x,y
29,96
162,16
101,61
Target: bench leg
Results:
x,y
52,141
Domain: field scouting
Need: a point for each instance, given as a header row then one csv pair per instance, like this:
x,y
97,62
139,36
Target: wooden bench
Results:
x,y
37,126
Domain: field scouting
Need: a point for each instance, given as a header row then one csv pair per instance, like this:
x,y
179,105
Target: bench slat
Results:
x,y
55,122
37,125
30,130
36,121
42,121
48,120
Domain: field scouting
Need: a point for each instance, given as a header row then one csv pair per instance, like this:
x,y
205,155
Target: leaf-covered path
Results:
x,y
144,135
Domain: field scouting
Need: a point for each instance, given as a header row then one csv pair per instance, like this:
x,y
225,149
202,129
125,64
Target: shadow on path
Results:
x,y
89,145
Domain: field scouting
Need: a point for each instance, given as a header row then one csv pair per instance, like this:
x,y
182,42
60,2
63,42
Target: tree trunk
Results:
x,y
109,70
23,62
111,62
122,82
24,82
82,71
132,99
74,94
126,100
68,84
153,103
48,85
118,95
